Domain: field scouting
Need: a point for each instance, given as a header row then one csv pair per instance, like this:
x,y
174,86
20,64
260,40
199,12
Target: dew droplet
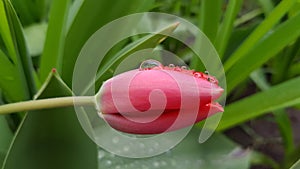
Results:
x,y
115,140
206,72
172,66
197,75
126,148
183,67
156,145
149,64
101,154
142,145
156,164
108,162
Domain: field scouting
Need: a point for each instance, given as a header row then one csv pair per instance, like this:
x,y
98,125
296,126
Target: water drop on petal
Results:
x,y
149,64
197,75
172,66
184,67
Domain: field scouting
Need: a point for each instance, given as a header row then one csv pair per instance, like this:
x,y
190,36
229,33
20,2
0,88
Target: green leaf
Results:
x,y
51,138
226,27
10,80
280,96
266,48
31,11
53,51
91,16
267,6
296,165
281,116
5,138
149,41
259,32
14,40
217,152
209,23
35,38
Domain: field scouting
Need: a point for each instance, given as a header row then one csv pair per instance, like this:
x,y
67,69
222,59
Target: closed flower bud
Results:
x,y
150,99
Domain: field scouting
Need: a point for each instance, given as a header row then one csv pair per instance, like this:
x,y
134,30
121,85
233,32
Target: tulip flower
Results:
x,y
150,99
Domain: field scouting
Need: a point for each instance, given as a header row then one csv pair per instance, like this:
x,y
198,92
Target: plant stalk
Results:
x,y
48,104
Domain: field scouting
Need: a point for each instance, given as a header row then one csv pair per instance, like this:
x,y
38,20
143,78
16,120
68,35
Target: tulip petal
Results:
x,y
143,83
164,123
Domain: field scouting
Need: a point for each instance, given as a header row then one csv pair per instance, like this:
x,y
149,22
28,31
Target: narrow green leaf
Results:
x,y
31,11
35,38
272,19
209,22
10,80
15,43
91,16
53,50
267,6
274,42
226,27
281,116
76,5
296,165
280,96
51,138
5,138
6,33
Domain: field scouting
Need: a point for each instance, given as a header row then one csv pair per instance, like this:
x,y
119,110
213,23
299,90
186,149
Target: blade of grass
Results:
x,y
263,51
272,19
278,97
226,27
53,50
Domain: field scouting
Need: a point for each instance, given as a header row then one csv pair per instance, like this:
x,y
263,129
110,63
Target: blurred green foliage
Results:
x,y
257,41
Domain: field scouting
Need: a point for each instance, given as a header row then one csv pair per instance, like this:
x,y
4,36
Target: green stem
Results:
x,y
48,104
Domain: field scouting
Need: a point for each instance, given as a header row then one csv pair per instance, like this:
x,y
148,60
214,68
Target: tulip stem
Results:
x,y
47,104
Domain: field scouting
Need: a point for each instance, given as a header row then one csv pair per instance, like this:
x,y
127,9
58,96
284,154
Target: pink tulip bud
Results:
x,y
150,99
